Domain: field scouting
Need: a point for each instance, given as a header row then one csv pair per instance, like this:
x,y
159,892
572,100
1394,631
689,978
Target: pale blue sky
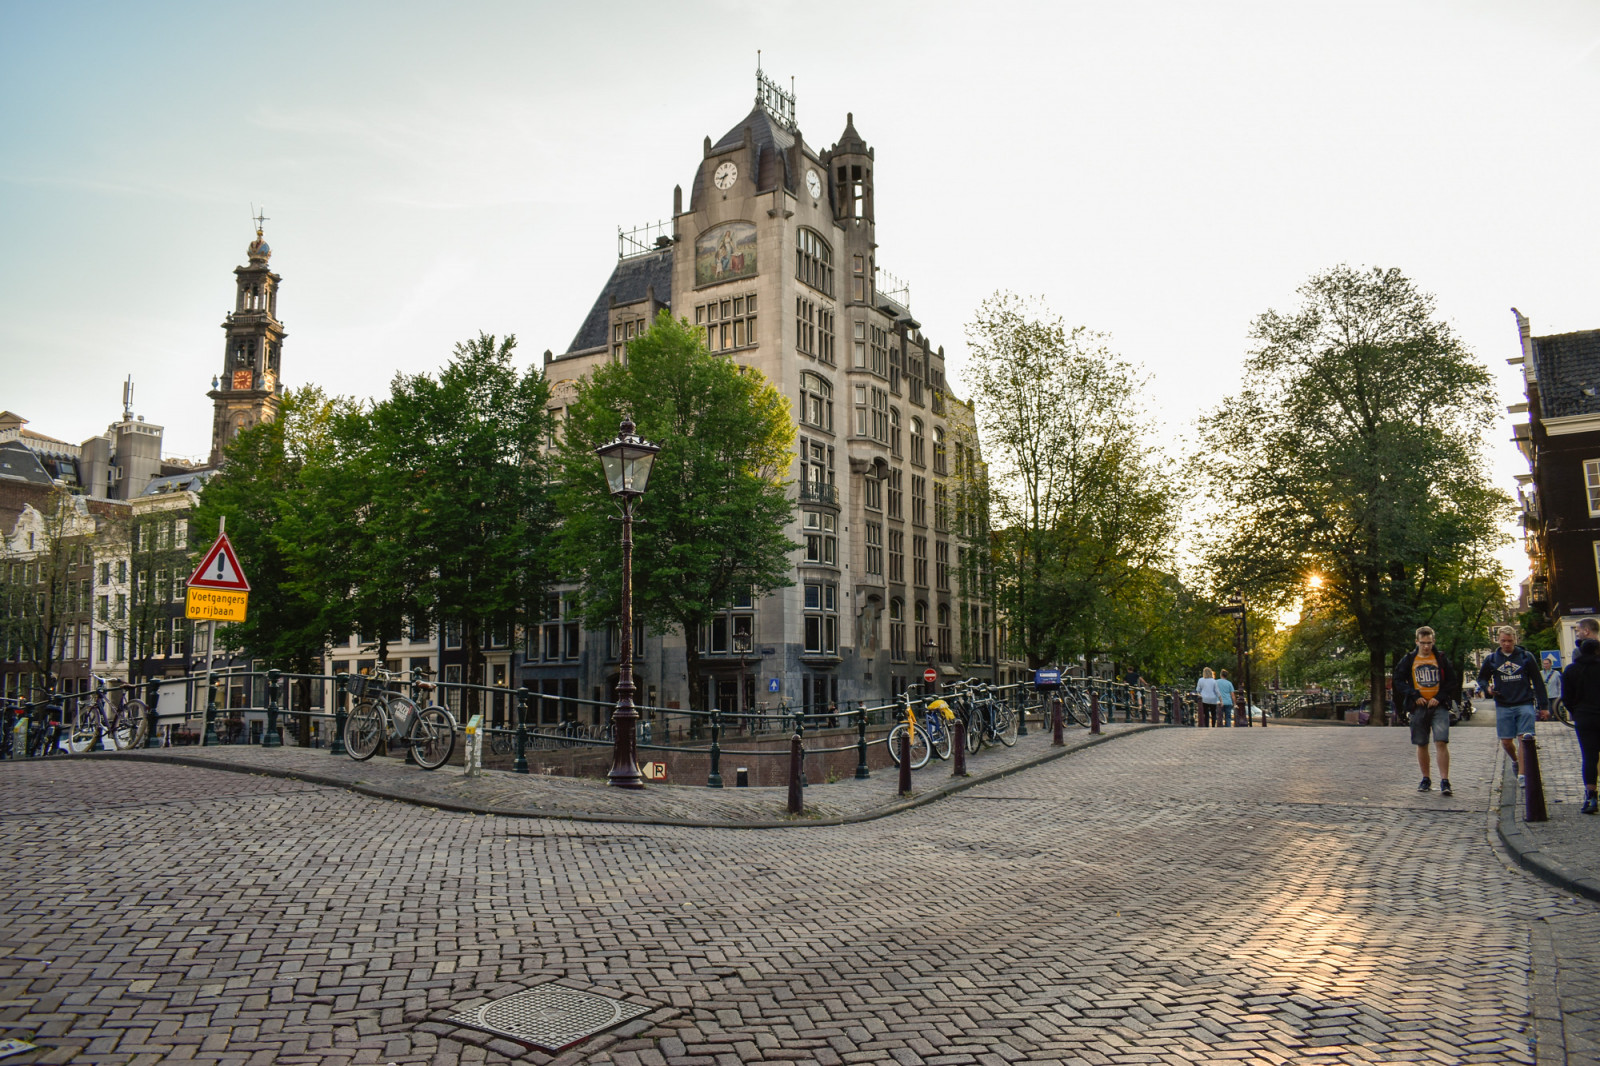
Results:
x,y
1160,171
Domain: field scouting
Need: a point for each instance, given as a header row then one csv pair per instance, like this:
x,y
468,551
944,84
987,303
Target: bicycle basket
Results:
x,y
361,685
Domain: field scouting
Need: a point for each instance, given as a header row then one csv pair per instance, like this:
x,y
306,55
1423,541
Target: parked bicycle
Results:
x,y
921,746
126,722
989,721
383,713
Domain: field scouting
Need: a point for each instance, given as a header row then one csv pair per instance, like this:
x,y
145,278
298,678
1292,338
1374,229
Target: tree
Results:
x,y
1353,451
266,490
1082,511
712,524
458,529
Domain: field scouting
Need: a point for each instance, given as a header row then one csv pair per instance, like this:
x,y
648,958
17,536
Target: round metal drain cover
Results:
x,y
550,1016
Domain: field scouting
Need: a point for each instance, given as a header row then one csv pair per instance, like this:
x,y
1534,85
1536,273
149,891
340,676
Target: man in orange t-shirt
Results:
x,y
1424,686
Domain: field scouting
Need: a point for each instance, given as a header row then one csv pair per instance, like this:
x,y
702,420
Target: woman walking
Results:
x,y
1210,697
1580,691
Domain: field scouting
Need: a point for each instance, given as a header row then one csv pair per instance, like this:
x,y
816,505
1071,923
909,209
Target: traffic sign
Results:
x,y
1046,678
654,771
930,675
218,605
220,569
772,685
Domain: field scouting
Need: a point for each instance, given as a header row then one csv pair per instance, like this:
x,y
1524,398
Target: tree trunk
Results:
x,y
1379,694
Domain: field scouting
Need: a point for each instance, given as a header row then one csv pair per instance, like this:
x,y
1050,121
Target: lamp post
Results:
x,y
741,644
627,463
931,646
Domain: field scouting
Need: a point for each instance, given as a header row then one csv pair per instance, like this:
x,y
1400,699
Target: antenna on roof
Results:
x,y
127,399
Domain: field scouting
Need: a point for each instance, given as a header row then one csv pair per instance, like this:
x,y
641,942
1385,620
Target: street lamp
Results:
x,y
931,646
627,463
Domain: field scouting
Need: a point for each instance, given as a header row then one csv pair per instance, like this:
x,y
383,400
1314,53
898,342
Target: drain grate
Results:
x,y
549,1016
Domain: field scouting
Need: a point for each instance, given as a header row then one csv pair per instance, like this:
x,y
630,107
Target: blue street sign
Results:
x,y
1046,678
772,685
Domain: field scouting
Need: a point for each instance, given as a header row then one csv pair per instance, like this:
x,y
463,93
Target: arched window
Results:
x,y
813,261
816,401
938,451
917,454
897,630
894,430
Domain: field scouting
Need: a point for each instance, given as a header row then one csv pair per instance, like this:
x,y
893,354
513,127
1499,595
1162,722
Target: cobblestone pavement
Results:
x,y
503,792
1178,896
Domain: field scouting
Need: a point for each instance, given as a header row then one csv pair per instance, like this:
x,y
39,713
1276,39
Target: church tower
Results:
x,y
248,390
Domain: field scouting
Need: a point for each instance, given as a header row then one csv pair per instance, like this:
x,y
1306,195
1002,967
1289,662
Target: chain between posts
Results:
x,y
341,701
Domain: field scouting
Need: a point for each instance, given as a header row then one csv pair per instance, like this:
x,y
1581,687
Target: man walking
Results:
x,y
1511,675
1225,698
1425,685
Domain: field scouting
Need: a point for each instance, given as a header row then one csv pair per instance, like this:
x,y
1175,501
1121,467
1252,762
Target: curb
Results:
x,y
1526,850
950,788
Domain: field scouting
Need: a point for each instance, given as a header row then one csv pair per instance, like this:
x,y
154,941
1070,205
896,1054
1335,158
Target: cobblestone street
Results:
x,y
1182,896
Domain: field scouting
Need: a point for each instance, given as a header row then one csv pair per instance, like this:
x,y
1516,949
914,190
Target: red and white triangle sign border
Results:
x,y
199,580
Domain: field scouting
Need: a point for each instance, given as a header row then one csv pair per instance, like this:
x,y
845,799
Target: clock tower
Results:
x,y
248,390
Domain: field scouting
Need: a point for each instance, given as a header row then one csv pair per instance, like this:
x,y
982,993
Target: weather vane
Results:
x,y
259,217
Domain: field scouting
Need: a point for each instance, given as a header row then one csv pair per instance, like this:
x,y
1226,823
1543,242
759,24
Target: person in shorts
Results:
x,y
1425,685
1511,675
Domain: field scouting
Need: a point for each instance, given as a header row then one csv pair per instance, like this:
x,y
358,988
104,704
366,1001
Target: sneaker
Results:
x,y
1444,787
1426,786
1522,780
1590,803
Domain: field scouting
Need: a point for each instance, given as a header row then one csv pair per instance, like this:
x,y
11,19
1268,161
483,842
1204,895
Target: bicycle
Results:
x,y
385,714
921,748
126,724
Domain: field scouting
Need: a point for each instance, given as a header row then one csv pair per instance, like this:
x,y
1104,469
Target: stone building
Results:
x,y
775,257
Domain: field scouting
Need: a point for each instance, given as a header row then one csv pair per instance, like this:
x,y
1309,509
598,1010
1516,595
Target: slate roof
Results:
x,y
18,462
1568,369
190,480
771,142
627,285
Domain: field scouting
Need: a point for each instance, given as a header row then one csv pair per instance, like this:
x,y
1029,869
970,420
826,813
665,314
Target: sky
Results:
x,y
1163,172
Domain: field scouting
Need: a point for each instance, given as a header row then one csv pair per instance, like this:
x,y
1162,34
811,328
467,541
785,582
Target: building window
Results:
x,y
872,413
916,443
729,323
816,401
941,508
822,543
897,555
880,352
624,332
872,493
816,470
813,329
941,555
813,261
919,561
938,451
821,618
1591,480
875,548
919,500
944,633
896,494
860,341
894,430
920,618
897,630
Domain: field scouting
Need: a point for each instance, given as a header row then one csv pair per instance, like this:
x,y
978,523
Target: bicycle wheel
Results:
x,y
1005,725
130,726
893,740
973,729
939,738
86,730
433,738
1558,711
362,730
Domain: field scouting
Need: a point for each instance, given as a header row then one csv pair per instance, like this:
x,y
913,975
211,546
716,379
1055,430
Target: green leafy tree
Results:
x,y
1081,507
1354,450
459,525
712,524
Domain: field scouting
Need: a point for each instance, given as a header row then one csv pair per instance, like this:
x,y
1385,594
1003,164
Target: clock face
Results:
x,y
814,184
726,175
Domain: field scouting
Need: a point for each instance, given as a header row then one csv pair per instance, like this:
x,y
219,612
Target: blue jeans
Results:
x,y
1513,722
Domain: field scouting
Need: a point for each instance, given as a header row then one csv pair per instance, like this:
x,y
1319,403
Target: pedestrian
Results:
x,y
1225,697
1424,685
1206,689
1580,691
1588,628
1511,675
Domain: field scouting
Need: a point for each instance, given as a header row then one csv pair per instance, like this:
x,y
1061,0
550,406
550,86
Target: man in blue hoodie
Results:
x,y
1511,675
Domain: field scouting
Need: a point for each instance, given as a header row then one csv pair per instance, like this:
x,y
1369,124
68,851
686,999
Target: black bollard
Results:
x,y
1094,714
520,764
796,799
1057,740
210,736
862,773
272,737
905,763
1533,809
714,778
152,734
341,696
958,729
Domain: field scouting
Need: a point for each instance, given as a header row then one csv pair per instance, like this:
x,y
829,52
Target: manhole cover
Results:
x,y
549,1017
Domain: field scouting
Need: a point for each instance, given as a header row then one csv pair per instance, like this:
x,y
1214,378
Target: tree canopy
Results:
x,y
1353,451
711,526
